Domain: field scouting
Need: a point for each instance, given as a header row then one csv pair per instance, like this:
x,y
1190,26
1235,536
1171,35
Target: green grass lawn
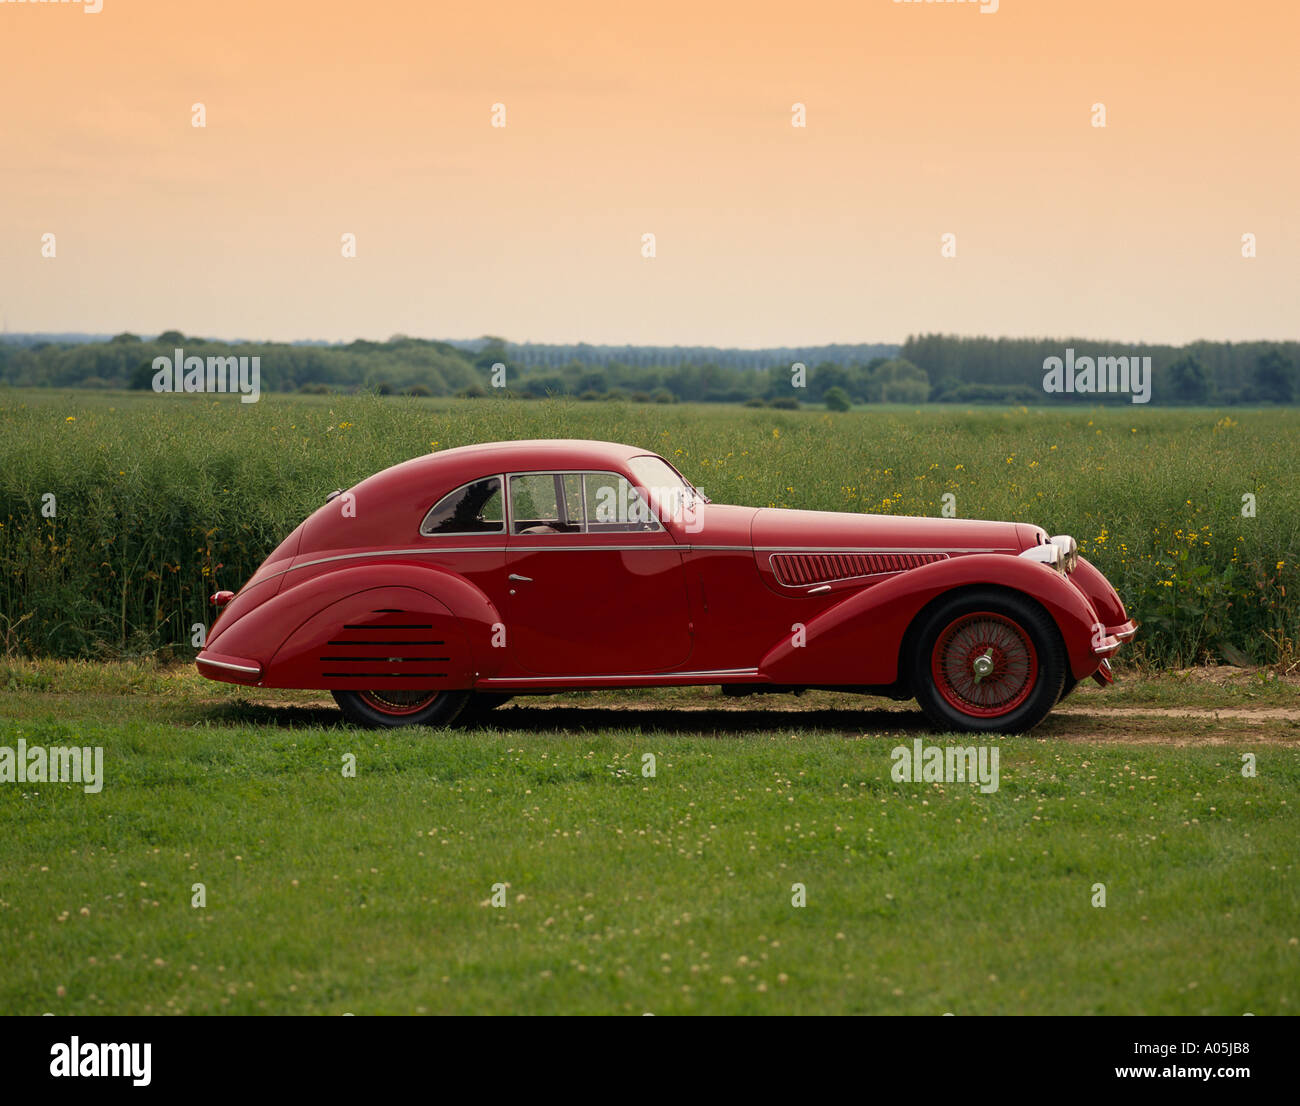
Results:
x,y
629,894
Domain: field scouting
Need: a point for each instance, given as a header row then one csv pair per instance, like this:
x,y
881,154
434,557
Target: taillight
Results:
x,y
221,598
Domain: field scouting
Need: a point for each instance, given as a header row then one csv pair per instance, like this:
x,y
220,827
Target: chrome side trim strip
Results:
x,y
618,676
587,548
858,549
503,549
510,548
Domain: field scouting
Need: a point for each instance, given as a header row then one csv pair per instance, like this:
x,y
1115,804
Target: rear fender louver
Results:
x,y
393,645
801,569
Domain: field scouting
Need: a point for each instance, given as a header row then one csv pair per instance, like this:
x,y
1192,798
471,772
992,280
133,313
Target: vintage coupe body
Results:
x,y
445,585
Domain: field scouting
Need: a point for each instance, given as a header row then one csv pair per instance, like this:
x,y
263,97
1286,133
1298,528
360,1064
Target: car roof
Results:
x,y
449,468
531,453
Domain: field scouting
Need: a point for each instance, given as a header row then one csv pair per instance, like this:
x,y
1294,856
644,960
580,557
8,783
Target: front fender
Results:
x,y
1103,597
857,641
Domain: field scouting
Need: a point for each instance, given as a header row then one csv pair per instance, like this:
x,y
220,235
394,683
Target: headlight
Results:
x,y
1069,551
1049,554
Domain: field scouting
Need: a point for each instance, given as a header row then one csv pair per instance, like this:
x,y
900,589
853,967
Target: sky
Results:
x,y
672,119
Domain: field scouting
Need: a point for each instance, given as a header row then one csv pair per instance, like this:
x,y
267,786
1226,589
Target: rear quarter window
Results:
x,y
473,508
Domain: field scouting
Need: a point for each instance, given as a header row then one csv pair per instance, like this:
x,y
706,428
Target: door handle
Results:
x,y
523,579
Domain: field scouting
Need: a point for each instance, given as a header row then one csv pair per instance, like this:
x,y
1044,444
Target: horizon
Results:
x,y
82,337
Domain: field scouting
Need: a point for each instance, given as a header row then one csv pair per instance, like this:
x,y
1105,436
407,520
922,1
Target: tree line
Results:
x,y
926,368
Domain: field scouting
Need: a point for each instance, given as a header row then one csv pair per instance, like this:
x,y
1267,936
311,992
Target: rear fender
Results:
x,y
857,641
281,633
381,638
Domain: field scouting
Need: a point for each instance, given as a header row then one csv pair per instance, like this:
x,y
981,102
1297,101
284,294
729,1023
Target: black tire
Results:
x,y
1068,686
1010,633
390,709
480,704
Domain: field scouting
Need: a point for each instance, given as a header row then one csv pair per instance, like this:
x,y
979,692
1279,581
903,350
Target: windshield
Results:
x,y
671,494
655,472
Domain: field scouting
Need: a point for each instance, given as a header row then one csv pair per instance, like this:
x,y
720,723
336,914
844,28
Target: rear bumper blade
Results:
x,y
1104,676
231,670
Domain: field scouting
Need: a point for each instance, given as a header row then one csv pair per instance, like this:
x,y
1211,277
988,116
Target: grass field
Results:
x,y
629,894
621,892
156,497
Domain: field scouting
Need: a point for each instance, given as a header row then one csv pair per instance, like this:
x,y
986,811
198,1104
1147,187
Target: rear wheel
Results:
x,y
988,662
379,709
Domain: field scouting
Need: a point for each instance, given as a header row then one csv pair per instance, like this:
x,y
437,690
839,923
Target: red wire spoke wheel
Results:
x,y
398,703
984,664
400,707
986,660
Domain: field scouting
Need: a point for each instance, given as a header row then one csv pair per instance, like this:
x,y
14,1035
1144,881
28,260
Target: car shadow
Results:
x,y
687,721
696,721
513,718
238,713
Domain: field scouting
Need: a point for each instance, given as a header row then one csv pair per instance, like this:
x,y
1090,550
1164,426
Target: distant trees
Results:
x,y
1010,370
1187,381
837,399
898,381
532,355
828,376
493,353
932,368
1274,379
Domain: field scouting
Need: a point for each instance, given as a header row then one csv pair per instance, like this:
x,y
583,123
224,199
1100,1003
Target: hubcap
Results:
x,y
984,664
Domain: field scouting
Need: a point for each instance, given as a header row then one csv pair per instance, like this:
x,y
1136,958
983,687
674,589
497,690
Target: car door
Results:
x,y
596,585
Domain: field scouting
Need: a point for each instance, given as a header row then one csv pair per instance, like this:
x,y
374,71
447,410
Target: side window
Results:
x,y
471,509
546,503
615,507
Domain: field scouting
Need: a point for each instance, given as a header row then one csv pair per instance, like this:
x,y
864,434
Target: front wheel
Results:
x,y
381,709
988,662
1070,684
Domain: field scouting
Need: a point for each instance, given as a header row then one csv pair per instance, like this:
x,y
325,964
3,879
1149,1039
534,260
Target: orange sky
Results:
x,y
670,118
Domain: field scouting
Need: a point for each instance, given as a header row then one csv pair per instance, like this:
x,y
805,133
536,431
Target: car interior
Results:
x,y
574,503
473,509
544,503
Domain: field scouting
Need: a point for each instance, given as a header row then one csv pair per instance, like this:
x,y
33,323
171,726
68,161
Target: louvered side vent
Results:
x,y
390,644
798,569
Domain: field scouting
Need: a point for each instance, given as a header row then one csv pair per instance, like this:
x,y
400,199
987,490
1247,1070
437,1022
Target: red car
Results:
x,y
460,579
